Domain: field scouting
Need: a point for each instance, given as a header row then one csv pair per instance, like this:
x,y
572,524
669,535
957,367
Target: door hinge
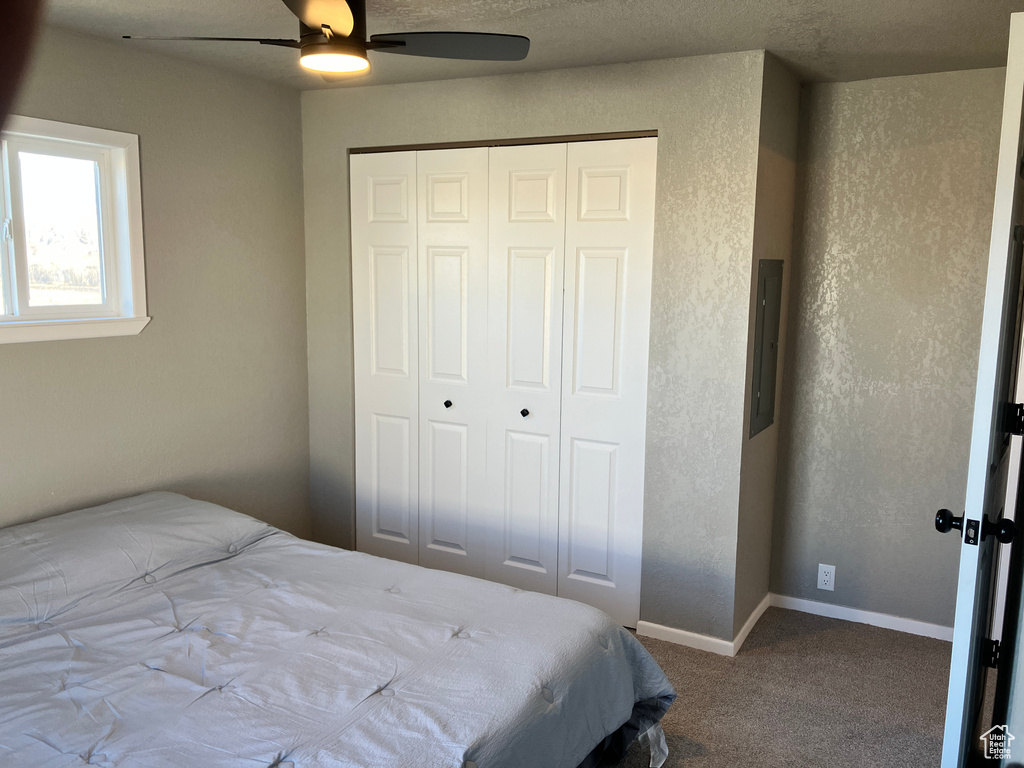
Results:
x,y
6,235
1013,418
990,653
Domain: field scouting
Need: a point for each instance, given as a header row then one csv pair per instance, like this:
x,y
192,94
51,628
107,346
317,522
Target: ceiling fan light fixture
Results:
x,y
333,40
335,58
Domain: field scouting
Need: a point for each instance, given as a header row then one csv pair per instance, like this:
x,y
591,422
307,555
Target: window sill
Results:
x,y
58,330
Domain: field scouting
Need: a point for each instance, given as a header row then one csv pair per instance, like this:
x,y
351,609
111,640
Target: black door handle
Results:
x,y
447,403
524,413
1003,529
945,521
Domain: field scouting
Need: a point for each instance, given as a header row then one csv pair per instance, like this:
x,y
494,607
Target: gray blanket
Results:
x,y
162,631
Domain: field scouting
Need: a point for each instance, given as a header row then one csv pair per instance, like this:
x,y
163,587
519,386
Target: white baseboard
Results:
x,y
682,637
884,620
704,642
731,648
737,641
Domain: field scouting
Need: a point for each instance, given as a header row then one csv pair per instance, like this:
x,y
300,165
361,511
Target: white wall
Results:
x,y
211,399
898,179
707,111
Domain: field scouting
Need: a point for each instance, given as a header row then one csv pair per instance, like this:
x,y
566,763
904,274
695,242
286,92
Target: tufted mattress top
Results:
x,y
162,631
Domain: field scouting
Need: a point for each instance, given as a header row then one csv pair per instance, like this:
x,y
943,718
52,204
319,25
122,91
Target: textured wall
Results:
x,y
707,113
773,239
211,399
898,184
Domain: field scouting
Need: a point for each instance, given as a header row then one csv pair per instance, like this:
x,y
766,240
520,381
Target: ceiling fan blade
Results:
x,y
478,46
315,13
260,40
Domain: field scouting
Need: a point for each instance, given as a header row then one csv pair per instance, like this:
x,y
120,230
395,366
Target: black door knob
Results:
x,y
524,413
447,403
945,521
1003,529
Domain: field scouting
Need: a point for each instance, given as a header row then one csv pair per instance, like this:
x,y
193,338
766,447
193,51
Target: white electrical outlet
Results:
x,y
826,577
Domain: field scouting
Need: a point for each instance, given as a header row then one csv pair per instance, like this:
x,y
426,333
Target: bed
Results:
x,y
163,631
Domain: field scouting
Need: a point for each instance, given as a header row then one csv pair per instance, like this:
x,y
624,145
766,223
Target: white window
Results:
x,y
71,256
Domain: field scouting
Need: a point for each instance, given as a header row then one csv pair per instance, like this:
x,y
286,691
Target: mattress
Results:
x,y
163,631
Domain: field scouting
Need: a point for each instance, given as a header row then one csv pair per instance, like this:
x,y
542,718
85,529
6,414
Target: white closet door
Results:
x,y
384,295
606,327
452,193
527,246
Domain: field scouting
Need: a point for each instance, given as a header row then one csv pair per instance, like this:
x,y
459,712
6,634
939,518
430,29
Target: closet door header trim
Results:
x,y
520,142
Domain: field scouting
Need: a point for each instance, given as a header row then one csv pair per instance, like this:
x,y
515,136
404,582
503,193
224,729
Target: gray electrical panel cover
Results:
x,y
766,344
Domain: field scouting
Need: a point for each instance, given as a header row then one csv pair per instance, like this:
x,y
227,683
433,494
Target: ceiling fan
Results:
x,y
332,39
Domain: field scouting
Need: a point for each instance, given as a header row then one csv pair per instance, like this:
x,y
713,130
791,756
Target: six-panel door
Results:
x,y
527,247
605,330
386,354
453,396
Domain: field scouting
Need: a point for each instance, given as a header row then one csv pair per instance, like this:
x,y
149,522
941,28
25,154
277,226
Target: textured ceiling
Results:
x,y
821,40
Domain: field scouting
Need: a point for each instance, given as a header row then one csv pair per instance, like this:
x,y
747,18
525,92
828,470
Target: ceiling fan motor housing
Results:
x,y
342,45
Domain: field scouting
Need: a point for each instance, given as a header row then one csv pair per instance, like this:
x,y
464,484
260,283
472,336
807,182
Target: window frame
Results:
x,y
119,200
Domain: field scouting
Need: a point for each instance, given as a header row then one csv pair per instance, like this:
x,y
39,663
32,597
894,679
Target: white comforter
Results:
x,y
161,631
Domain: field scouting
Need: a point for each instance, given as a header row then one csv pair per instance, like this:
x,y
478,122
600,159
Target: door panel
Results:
x,y
534,195
389,316
990,454
527,502
527,221
603,192
594,479
597,326
528,338
446,474
447,194
384,298
388,195
453,221
447,314
606,327
391,503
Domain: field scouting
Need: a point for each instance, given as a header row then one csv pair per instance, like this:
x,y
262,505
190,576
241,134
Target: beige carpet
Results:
x,y
806,691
